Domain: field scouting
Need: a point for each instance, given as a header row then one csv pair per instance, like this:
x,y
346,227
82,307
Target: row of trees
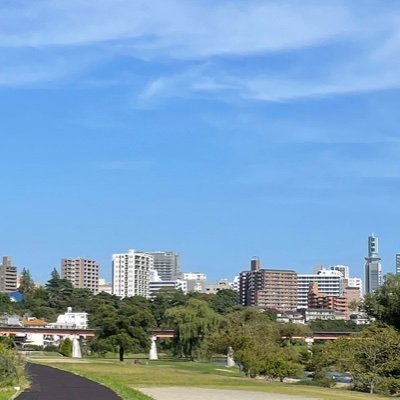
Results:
x,y
372,356
206,325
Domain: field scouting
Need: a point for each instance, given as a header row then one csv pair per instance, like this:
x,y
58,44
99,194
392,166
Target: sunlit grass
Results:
x,y
126,377
6,394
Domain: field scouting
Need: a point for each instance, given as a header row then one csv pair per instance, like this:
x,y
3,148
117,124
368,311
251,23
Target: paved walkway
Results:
x,y
52,384
191,393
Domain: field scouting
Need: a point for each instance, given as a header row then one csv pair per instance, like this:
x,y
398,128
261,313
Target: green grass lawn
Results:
x,y
126,378
6,394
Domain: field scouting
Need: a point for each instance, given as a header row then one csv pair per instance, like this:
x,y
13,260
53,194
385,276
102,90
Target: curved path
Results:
x,y
52,384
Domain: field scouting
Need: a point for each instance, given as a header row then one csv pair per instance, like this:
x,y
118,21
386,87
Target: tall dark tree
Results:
x,y
5,303
162,300
125,326
26,282
59,291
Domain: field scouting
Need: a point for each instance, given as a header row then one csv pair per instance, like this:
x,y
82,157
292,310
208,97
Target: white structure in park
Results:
x,y
131,273
71,320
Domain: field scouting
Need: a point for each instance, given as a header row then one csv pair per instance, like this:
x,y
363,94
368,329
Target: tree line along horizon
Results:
x,y
207,325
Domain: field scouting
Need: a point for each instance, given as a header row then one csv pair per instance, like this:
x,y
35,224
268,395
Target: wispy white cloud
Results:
x,y
182,28
123,165
190,33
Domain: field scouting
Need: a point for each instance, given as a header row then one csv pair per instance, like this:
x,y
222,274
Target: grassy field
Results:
x,y
126,378
6,394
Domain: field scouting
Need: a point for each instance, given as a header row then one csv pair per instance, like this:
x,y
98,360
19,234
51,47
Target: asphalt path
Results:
x,y
53,384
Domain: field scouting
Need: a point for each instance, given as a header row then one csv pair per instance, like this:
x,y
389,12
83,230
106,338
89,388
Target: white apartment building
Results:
x,y
355,282
71,320
131,273
178,284
329,282
196,281
344,269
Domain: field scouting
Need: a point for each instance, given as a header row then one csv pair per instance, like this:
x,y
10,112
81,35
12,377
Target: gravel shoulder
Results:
x,y
191,393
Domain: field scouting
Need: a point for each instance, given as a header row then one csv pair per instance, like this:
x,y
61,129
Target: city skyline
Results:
x,y
147,127
106,272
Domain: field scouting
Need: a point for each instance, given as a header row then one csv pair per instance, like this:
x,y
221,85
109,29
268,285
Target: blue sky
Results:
x,y
221,130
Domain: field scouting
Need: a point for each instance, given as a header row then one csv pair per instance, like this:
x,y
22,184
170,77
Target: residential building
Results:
x,y
167,264
71,319
131,273
344,269
105,286
213,288
313,314
329,282
178,284
236,283
8,276
360,319
294,317
268,288
196,281
354,283
81,272
398,263
373,266
317,299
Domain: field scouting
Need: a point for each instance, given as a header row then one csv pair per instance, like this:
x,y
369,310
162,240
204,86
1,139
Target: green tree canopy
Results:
x,y
192,322
225,301
26,282
384,302
5,303
257,344
162,300
371,356
125,325
59,291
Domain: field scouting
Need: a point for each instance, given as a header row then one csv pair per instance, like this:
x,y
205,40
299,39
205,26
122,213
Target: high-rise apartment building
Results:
x,y
397,263
373,266
330,282
81,272
8,276
166,263
131,273
268,288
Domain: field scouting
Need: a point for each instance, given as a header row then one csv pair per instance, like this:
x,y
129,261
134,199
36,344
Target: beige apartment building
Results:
x,y
268,288
8,276
81,272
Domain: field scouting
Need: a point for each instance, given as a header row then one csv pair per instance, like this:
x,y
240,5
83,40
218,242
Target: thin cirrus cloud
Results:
x,y
124,165
196,36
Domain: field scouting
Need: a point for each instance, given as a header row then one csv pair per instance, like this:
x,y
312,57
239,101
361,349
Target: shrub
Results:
x,y
66,347
51,348
11,367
